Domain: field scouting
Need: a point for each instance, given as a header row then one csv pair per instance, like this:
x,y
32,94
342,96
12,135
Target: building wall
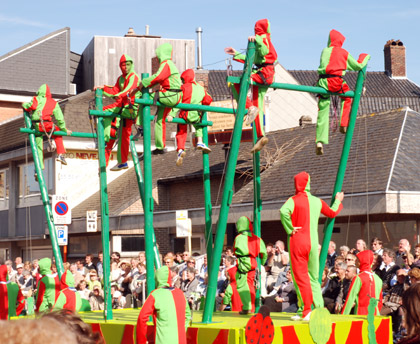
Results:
x,y
9,110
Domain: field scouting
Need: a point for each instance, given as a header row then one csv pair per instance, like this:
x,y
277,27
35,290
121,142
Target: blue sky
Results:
x,y
299,28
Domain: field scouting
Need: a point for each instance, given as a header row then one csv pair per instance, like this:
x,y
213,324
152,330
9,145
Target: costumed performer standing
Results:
x,y
169,309
247,247
125,107
12,301
167,76
42,107
299,216
262,74
365,286
334,62
192,93
48,287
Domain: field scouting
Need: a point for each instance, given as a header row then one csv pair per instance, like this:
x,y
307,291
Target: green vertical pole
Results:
x,y
148,197
140,183
329,224
228,186
207,197
45,199
257,213
104,209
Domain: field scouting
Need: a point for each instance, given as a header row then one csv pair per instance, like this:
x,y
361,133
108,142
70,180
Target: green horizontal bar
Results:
x,y
300,88
183,121
102,113
58,133
189,106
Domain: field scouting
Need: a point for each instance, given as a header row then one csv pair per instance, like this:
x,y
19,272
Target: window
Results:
x,y
132,244
4,189
29,192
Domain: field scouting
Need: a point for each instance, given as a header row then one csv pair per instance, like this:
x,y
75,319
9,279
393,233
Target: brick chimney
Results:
x,y
394,53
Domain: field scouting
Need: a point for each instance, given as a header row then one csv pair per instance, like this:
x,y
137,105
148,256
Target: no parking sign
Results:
x,y
61,210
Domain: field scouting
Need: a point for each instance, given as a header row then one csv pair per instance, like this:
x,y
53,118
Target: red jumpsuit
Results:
x,y
10,296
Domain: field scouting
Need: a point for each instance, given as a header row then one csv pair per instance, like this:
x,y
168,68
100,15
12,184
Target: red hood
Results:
x,y
262,27
125,70
336,39
366,260
302,181
232,273
3,273
187,76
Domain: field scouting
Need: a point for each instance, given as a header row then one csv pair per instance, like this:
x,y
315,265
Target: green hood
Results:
x,y
244,224
44,91
163,277
67,280
45,266
164,52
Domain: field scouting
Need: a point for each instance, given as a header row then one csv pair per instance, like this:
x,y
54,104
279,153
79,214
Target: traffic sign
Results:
x,y
62,235
61,210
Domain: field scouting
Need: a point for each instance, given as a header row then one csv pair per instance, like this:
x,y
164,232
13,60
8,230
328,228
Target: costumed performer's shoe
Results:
x,y
261,142
251,115
203,147
307,317
138,134
319,149
245,311
159,151
119,167
60,158
36,177
343,130
181,156
296,317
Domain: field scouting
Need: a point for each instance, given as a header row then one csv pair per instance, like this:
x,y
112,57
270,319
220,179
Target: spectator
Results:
x,y
138,285
351,272
189,285
83,290
10,272
393,300
115,257
334,286
176,279
277,262
115,273
416,261
285,298
28,284
376,265
19,274
118,300
78,277
377,246
414,275
331,254
142,258
344,250
93,280
404,248
96,299
411,306
360,247
388,269
178,258
18,260
125,286
169,262
351,259
81,268
99,265
229,251
89,262
202,273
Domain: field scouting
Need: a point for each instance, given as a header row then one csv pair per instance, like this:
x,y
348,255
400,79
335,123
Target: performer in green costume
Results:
x,y
169,309
12,302
334,62
247,247
42,107
263,75
68,297
48,286
125,107
169,94
299,216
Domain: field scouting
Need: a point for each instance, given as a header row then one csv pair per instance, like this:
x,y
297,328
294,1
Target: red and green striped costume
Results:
x,y
363,287
170,94
68,297
43,106
123,106
12,302
192,93
334,62
48,287
170,310
231,293
247,247
265,57
303,211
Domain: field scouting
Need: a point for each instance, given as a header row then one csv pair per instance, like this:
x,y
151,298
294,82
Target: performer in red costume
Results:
x,y
299,216
263,74
232,297
125,106
334,62
192,93
10,296
364,286
247,247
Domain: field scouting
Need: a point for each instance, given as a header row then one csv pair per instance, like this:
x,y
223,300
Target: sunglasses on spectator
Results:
x,y
191,262
350,259
168,262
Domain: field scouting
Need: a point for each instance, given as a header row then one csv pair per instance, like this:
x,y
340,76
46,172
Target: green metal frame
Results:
x,y
45,198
